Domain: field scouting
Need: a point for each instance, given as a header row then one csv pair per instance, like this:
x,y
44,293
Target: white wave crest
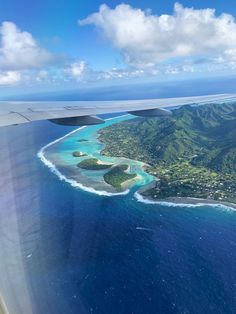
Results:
x,y
141,199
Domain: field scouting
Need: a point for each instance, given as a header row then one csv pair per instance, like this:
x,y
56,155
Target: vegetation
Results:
x,y
182,179
118,175
78,154
192,153
93,164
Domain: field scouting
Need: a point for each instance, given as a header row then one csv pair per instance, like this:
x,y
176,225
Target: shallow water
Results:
x,y
58,154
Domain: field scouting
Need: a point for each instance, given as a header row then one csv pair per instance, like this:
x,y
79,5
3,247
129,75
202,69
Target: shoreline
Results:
x,y
126,183
171,201
72,182
182,201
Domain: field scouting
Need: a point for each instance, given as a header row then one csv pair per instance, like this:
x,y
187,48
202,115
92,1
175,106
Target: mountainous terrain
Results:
x,y
191,153
206,134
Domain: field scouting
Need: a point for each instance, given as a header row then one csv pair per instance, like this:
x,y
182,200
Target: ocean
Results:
x,y
68,251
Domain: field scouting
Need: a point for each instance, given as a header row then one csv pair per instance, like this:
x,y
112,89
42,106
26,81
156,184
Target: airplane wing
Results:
x,y
82,112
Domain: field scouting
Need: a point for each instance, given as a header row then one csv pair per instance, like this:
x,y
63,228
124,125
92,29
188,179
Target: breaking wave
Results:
x,y
141,199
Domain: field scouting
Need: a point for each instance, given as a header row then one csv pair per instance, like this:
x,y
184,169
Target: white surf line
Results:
x,y
73,183
141,199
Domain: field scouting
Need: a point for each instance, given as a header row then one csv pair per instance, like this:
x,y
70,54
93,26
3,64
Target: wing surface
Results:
x,y
18,112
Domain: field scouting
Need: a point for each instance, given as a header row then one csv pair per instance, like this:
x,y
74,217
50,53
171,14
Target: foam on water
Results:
x,y
141,199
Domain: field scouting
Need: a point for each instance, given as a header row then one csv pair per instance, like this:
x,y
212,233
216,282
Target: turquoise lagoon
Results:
x,y
57,155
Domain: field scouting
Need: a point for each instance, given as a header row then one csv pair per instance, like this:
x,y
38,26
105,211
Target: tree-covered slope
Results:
x,y
206,135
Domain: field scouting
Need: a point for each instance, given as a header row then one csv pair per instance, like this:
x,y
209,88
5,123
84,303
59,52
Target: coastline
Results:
x,y
172,201
126,184
184,201
72,182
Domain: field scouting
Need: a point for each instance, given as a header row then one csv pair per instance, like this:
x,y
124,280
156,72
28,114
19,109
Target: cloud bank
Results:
x,y
146,40
20,55
187,41
19,50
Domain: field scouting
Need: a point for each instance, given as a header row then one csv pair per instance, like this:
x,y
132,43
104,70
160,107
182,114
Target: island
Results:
x,y
78,154
191,154
82,140
93,164
117,176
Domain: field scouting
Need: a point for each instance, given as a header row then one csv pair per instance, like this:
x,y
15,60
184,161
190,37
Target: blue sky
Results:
x,y
60,45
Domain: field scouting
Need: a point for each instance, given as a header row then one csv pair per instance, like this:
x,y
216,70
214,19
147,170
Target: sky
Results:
x,y
61,45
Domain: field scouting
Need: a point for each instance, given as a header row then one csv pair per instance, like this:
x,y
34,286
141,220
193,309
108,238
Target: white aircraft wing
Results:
x,y
82,112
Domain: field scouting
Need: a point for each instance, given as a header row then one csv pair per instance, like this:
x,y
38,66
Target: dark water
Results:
x,y
67,251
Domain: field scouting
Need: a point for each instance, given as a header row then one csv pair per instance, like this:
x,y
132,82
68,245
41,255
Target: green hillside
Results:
x,y
207,133
193,138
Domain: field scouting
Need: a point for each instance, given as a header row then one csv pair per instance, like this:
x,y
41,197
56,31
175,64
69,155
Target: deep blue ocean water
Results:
x,y
66,251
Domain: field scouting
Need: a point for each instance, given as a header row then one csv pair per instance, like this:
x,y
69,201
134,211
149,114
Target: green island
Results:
x,y
117,175
191,153
93,164
78,154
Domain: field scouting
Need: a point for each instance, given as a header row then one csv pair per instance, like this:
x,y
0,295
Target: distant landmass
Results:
x,y
191,153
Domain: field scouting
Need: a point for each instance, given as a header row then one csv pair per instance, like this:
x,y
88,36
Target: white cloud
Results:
x,y
147,40
10,78
77,69
80,71
19,50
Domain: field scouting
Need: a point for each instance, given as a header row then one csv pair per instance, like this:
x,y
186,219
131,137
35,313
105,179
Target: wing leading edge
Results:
x,y
18,112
